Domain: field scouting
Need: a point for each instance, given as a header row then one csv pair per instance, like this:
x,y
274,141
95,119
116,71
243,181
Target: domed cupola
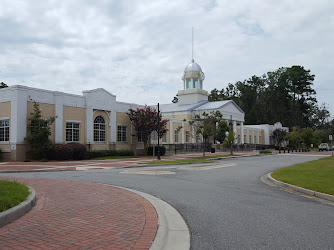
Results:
x,y
193,76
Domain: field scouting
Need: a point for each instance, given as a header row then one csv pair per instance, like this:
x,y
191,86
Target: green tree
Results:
x,y
205,126
278,136
221,129
3,85
145,121
39,128
230,141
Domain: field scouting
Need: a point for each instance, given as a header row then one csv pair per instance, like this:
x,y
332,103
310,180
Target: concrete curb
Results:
x,y
309,192
173,232
16,212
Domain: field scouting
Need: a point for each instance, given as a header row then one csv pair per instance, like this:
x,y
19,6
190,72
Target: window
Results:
x,y
200,84
260,139
72,131
244,138
139,136
195,83
164,138
4,130
250,139
121,133
176,137
187,136
99,129
188,83
255,139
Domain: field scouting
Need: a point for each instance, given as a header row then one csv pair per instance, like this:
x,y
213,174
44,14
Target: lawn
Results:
x,y
189,160
12,194
315,175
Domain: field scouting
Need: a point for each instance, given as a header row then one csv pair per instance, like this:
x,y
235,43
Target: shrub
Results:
x,y
150,150
69,151
265,152
44,160
102,153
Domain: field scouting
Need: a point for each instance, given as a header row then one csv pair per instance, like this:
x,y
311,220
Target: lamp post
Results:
x,y
158,151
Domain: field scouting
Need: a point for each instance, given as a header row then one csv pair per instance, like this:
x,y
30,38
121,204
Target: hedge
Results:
x,y
102,153
69,151
150,150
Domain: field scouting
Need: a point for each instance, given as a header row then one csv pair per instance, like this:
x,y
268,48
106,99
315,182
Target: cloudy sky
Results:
x,y
138,50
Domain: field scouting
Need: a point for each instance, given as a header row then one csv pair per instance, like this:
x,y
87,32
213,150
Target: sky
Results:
x,y
138,49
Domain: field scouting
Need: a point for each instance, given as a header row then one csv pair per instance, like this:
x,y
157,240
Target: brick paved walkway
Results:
x,y
81,215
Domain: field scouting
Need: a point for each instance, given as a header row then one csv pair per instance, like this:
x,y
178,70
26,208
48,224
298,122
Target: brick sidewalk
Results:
x,y
81,215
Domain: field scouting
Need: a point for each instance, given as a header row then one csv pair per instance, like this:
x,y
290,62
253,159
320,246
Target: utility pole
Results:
x,y
158,151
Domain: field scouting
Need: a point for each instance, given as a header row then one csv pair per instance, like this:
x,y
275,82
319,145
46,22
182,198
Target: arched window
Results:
x,y
99,129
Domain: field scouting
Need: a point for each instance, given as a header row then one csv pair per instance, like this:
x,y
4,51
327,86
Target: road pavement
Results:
x,y
225,204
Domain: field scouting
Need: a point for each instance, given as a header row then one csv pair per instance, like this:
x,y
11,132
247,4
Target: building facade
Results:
x,y
99,121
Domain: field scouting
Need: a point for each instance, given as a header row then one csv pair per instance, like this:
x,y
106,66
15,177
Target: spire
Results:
x,y
192,44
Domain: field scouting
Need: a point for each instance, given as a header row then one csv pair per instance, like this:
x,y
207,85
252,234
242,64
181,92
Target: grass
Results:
x,y
113,157
315,175
189,160
176,161
12,194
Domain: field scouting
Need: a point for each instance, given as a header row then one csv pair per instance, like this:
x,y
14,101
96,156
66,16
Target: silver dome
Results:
x,y
191,67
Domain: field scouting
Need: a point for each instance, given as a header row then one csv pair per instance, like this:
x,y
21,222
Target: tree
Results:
x,y
230,140
278,136
145,121
207,125
3,85
284,95
221,129
39,128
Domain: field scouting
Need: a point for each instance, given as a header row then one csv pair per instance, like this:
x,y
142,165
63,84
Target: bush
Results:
x,y
265,152
102,153
150,150
69,151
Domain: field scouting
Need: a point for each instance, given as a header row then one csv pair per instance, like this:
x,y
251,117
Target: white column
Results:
x,y
89,125
59,118
235,130
242,132
18,117
171,132
253,138
113,127
182,132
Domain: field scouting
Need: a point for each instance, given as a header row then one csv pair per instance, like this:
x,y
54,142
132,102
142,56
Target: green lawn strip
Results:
x,y
12,194
113,157
315,175
175,161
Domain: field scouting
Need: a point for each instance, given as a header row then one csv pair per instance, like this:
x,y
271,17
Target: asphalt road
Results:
x,y
230,207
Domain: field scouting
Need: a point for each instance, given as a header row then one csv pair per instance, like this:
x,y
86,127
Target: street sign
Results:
x,y
331,137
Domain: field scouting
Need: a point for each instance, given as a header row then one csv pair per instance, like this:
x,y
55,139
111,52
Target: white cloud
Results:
x,y
139,49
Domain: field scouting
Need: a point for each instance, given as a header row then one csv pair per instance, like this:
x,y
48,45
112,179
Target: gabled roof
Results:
x,y
175,107
218,105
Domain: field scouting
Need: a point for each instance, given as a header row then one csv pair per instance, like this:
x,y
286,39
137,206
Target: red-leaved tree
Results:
x,y
145,120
